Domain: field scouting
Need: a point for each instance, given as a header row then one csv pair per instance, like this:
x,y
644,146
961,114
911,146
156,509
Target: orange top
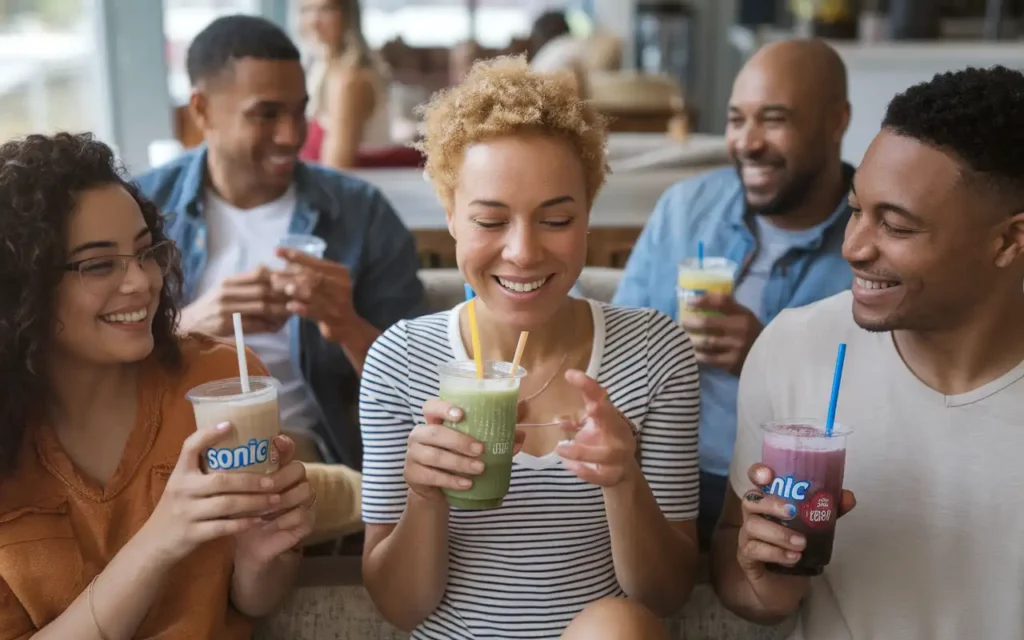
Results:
x,y
59,528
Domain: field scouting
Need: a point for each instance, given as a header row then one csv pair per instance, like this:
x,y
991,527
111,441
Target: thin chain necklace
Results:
x,y
550,380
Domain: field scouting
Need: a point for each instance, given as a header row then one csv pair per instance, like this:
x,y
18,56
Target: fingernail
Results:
x,y
224,426
790,511
463,482
792,555
476,466
797,541
455,413
290,289
266,483
275,498
476,448
753,497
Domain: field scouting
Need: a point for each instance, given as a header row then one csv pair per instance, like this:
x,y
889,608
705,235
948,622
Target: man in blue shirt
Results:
x,y
228,204
780,215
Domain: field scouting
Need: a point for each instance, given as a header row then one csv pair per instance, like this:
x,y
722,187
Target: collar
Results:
x,y
312,197
739,217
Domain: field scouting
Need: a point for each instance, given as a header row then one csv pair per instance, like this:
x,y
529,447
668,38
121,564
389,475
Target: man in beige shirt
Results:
x,y
933,389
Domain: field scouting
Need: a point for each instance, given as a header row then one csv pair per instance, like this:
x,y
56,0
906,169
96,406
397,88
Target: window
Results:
x,y
49,67
183,20
443,23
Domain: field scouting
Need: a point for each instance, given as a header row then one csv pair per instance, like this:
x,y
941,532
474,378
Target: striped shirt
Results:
x,y
526,569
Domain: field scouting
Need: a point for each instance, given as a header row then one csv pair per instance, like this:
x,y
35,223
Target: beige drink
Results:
x,y
254,415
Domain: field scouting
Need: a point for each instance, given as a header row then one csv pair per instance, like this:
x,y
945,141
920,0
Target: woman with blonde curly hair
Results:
x,y
517,160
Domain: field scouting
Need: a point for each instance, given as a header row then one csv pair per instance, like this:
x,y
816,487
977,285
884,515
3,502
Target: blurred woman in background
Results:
x,y
348,108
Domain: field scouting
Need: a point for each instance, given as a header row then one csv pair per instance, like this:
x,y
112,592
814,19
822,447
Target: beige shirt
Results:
x,y
933,550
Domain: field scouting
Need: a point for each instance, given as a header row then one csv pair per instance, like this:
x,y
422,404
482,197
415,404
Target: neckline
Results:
x,y
593,370
977,394
139,443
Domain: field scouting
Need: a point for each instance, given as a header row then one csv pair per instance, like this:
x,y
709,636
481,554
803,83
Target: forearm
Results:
x,y
655,563
356,342
258,588
122,595
407,572
768,599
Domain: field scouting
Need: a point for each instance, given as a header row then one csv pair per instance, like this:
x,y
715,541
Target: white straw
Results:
x,y
243,366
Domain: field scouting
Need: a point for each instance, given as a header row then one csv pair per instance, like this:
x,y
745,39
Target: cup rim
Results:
x,y
838,429
466,370
202,393
711,263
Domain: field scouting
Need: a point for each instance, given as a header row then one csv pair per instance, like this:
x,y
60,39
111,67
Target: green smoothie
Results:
x,y
489,415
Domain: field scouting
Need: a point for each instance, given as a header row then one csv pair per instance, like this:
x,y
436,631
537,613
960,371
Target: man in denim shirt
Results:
x,y
228,203
780,215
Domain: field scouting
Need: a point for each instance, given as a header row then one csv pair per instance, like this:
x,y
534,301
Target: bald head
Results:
x,y
787,116
808,67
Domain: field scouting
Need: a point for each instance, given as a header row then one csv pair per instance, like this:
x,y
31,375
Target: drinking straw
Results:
x,y
700,255
519,352
243,366
837,377
474,333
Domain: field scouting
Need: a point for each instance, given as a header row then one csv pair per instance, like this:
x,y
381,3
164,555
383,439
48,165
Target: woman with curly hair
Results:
x,y
108,528
517,159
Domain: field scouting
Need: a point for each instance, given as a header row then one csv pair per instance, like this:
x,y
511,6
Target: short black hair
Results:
x,y
973,114
232,38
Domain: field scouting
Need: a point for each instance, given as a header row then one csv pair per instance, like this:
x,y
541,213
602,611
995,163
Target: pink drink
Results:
x,y
808,468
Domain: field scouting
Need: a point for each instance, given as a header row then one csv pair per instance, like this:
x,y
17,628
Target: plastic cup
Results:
x,y
489,414
808,467
308,244
254,415
717,275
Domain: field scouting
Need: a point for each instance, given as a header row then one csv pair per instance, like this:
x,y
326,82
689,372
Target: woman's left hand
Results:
x,y
285,528
604,449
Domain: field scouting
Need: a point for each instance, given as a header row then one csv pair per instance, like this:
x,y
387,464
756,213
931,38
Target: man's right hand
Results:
x,y
763,541
263,310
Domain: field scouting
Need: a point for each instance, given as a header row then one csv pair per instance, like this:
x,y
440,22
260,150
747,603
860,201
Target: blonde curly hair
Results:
x,y
502,97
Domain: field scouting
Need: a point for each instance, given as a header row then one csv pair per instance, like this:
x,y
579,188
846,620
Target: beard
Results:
x,y
791,195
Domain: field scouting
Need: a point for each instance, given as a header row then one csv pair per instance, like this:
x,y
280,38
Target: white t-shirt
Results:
x,y
238,241
933,549
526,569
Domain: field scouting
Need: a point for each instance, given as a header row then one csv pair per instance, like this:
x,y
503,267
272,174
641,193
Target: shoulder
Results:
x,y
161,183
411,343
692,199
205,359
811,330
644,332
341,193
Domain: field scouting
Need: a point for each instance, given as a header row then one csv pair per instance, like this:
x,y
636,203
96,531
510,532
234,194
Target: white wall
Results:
x,y
879,71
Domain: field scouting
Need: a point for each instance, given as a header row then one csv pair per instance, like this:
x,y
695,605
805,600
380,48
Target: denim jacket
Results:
x,y
712,208
362,232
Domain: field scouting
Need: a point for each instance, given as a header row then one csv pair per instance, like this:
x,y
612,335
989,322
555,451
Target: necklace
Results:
x,y
548,383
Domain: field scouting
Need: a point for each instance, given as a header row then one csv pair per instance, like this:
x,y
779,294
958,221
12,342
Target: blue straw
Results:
x,y
470,294
837,377
700,255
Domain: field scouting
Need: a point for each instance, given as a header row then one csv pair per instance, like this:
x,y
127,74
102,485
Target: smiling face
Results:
x,y
519,217
778,136
105,313
925,244
253,117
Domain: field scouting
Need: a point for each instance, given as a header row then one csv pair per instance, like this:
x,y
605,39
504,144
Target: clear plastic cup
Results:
x,y
254,415
717,275
308,244
809,467
489,414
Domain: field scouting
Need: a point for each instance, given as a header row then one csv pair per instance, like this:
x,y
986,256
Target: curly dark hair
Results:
x,y
41,178
974,114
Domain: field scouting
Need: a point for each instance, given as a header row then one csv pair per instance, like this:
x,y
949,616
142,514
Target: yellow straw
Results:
x,y
474,336
520,348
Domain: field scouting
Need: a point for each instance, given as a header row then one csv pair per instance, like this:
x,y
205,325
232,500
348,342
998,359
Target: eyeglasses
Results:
x,y
108,272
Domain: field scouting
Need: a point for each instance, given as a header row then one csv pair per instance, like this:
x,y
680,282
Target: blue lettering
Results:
x,y
789,489
255,452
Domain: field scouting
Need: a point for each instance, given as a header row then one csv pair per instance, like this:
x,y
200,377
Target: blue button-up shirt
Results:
x,y
712,208
362,232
